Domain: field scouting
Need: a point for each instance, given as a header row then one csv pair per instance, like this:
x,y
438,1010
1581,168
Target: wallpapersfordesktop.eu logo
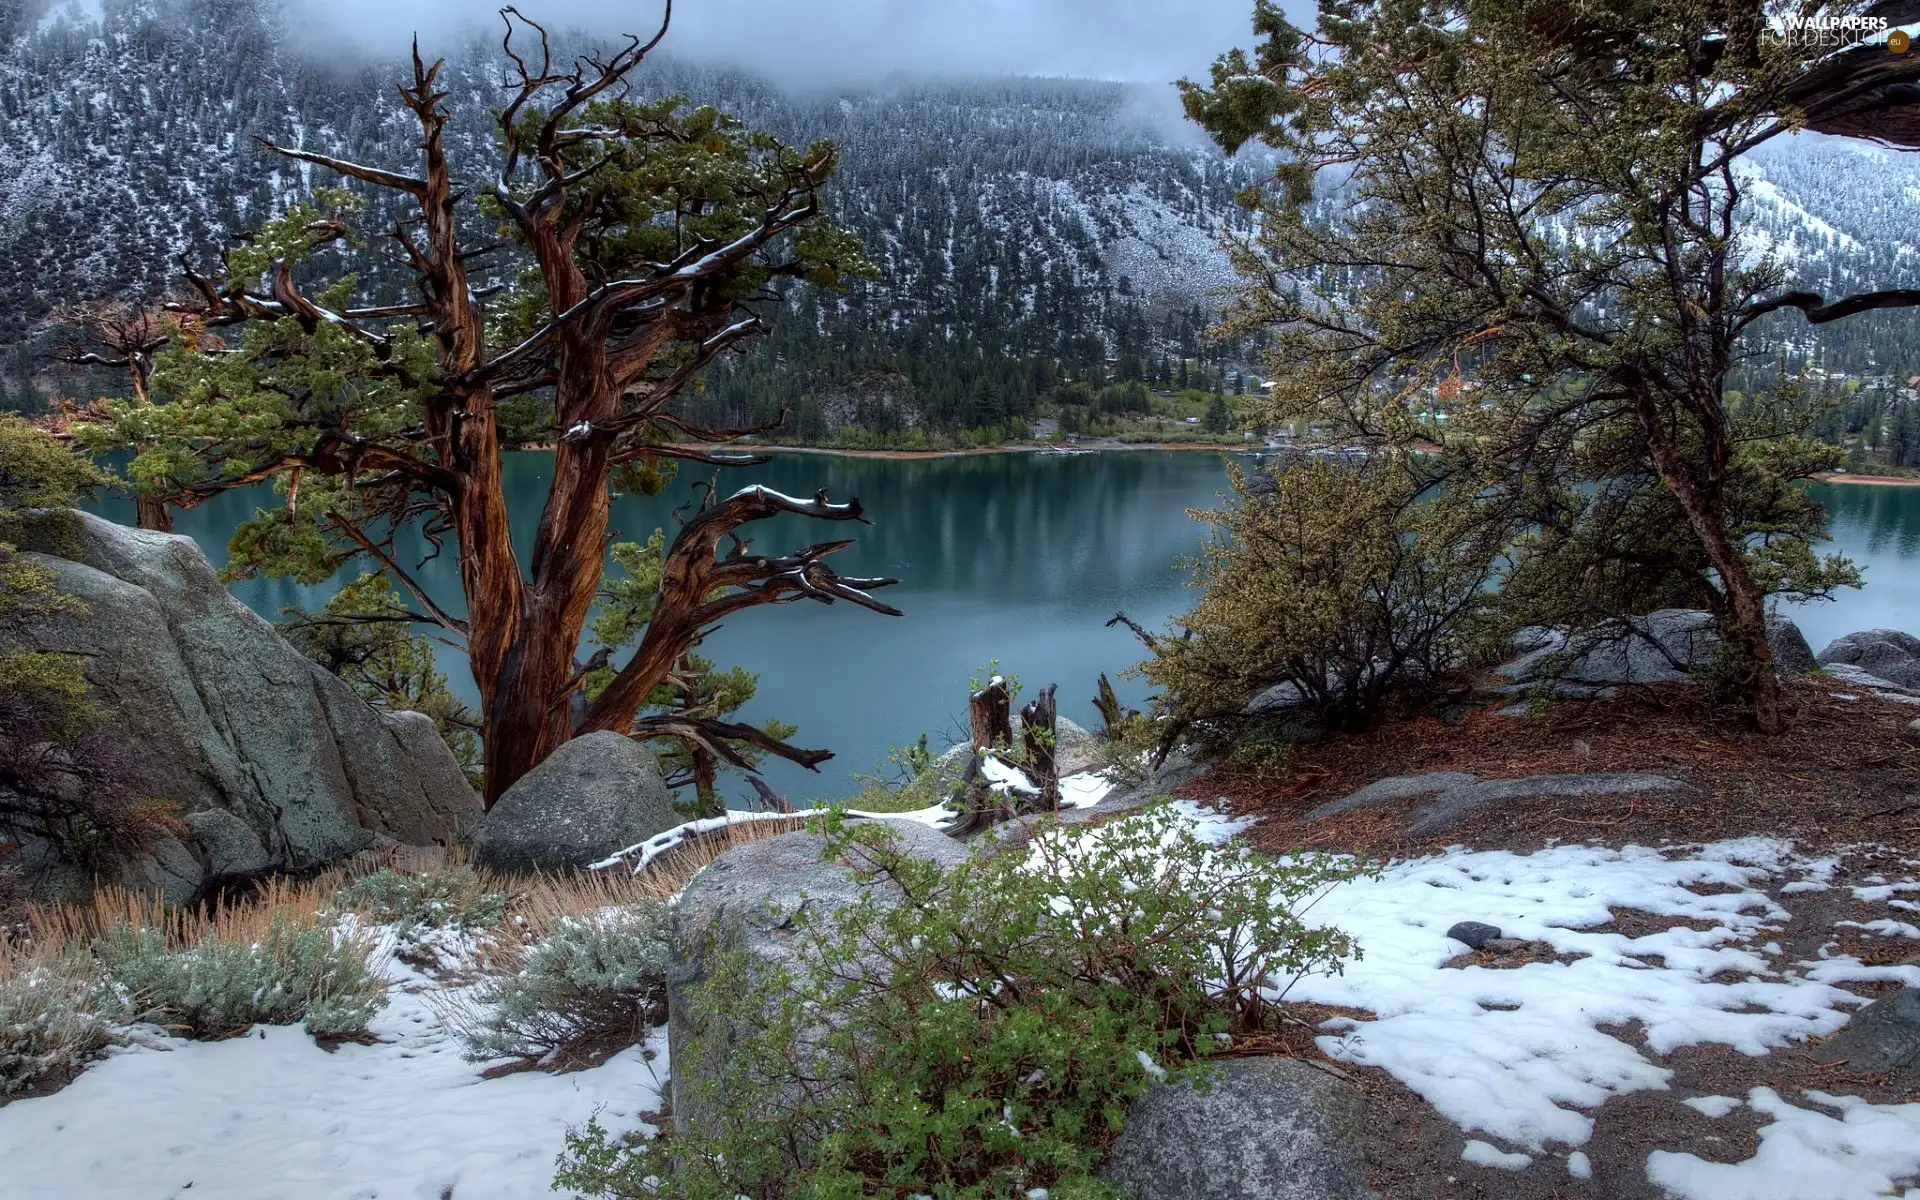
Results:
x,y
1834,33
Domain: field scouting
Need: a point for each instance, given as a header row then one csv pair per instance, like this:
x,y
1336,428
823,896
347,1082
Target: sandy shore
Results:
x,y
1018,448
1880,480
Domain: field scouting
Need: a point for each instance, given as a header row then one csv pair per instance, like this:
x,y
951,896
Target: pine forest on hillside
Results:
x,y
1036,242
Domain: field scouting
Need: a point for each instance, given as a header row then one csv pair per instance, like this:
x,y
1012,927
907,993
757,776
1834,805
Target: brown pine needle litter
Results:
x,y
1843,771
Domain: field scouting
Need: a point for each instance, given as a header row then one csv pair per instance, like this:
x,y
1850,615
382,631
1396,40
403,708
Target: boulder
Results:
x,y
224,715
1456,795
169,869
228,848
1883,1036
1660,647
406,782
746,900
1886,654
1791,653
1856,677
593,796
1260,1129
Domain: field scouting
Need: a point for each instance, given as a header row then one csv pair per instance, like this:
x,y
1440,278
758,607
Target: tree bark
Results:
x,y
1039,731
153,512
990,711
1107,704
1746,616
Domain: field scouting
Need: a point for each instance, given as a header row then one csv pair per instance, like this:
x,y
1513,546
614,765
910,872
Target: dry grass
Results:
x,y
536,903
64,928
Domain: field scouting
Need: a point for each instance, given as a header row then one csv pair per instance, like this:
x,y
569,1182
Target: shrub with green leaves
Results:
x,y
454,898
46,1028
295,971
1340,581
985,1035
595,983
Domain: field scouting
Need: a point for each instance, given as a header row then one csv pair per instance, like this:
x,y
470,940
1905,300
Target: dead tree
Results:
x,y
118,337
1107,704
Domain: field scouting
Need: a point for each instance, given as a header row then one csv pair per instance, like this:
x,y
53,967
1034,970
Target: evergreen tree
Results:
x,y
1464,140
637,231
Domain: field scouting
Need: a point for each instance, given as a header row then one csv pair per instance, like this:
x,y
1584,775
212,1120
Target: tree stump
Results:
x,y
1107,704
990,711
1039,731
980,805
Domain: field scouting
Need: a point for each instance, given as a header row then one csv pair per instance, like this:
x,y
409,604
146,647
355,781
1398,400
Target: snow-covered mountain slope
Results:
x,y
1030,215
130,132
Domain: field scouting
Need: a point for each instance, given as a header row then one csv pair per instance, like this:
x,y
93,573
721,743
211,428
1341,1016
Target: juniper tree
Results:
x,y
1529,255
631,243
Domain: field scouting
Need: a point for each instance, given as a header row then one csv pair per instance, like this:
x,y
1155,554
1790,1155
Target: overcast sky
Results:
x,y
852,41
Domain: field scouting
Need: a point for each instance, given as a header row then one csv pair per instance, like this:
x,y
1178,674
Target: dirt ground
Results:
x,y
1846,775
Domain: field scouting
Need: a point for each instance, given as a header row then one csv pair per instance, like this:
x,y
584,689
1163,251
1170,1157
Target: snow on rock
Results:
x,y
640,855
1006,778
1805,1154
1085,789
1519,1053
272,1116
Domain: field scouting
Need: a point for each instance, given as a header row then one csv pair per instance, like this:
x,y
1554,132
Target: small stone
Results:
x,y
1581,749
1503,945
1914,725
1475,934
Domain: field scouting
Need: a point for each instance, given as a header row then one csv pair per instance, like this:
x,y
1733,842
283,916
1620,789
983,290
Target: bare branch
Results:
x,y
441,616
1818,312
1120,618
374,175
714,737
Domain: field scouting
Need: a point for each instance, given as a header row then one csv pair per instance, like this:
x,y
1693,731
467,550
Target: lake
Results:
x,y
1014,557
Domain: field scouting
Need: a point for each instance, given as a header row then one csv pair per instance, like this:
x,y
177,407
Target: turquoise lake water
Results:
x,y
1017,557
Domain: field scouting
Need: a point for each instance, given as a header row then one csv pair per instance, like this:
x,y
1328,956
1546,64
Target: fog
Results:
x,y
829,42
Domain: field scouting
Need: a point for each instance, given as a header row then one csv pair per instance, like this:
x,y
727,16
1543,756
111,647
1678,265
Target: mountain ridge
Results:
x,y
1015,220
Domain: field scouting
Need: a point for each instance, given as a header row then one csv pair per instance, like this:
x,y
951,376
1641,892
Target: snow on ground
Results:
x,y
1519,1056
1519,1053
1082,790
272,1116
1806,1154
1522,1055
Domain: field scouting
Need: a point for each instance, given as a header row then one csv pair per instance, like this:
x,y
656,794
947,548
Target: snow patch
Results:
x,y
272,1116
1518,1053
1868,1150
1482,1154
